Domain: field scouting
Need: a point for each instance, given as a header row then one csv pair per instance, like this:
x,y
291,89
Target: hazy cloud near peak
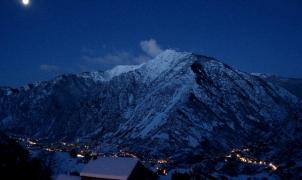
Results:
x,y
116,58
150,47
50,68
91,62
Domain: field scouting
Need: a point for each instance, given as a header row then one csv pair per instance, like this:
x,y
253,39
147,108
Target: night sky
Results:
x,y
50,37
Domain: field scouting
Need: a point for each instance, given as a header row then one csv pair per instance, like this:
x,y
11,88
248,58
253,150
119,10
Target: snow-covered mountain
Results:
x,y
176,105
293,85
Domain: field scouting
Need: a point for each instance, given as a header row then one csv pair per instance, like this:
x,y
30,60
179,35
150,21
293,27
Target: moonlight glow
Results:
x,y
25,2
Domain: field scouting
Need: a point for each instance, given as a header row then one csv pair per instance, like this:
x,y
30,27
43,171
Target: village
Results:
x,y
160,166
85,153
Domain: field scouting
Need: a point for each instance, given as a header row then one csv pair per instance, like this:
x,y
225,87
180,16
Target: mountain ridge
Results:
x,y
177,105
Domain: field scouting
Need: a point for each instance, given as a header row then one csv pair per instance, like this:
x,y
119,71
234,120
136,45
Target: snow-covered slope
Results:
x,y
293,85
177,105
100,76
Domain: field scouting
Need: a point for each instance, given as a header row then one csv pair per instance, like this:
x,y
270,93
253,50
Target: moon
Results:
x,y
25,2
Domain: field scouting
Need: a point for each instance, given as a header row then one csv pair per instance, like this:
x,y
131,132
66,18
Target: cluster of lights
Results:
x,y
165,172
162,161
49,150
161,166
63,146
31,142
251,161
162,171
126,154
80,156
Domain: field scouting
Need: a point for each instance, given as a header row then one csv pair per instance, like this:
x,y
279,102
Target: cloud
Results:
x,y
91,62
111,59
116,58
150,47
49,68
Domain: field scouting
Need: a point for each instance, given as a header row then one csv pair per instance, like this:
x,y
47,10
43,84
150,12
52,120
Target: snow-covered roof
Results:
x,y
110,167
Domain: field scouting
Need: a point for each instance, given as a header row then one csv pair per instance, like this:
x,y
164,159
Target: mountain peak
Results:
x,y
163,62
167,59
171,54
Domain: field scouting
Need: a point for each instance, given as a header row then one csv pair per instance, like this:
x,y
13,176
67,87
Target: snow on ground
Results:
x,y
255,176
118,70
62,163
171,172
9,92
100,76
110,167
161,63
6,121
96,76
151,69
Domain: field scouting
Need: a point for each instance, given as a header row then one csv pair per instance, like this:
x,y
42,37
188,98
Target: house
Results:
x,y
109,168
113,168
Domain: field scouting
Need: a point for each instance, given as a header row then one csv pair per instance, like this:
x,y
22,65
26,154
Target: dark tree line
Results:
x,y
15,162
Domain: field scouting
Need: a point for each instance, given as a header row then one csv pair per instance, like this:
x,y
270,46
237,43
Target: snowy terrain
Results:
x,y
178,106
